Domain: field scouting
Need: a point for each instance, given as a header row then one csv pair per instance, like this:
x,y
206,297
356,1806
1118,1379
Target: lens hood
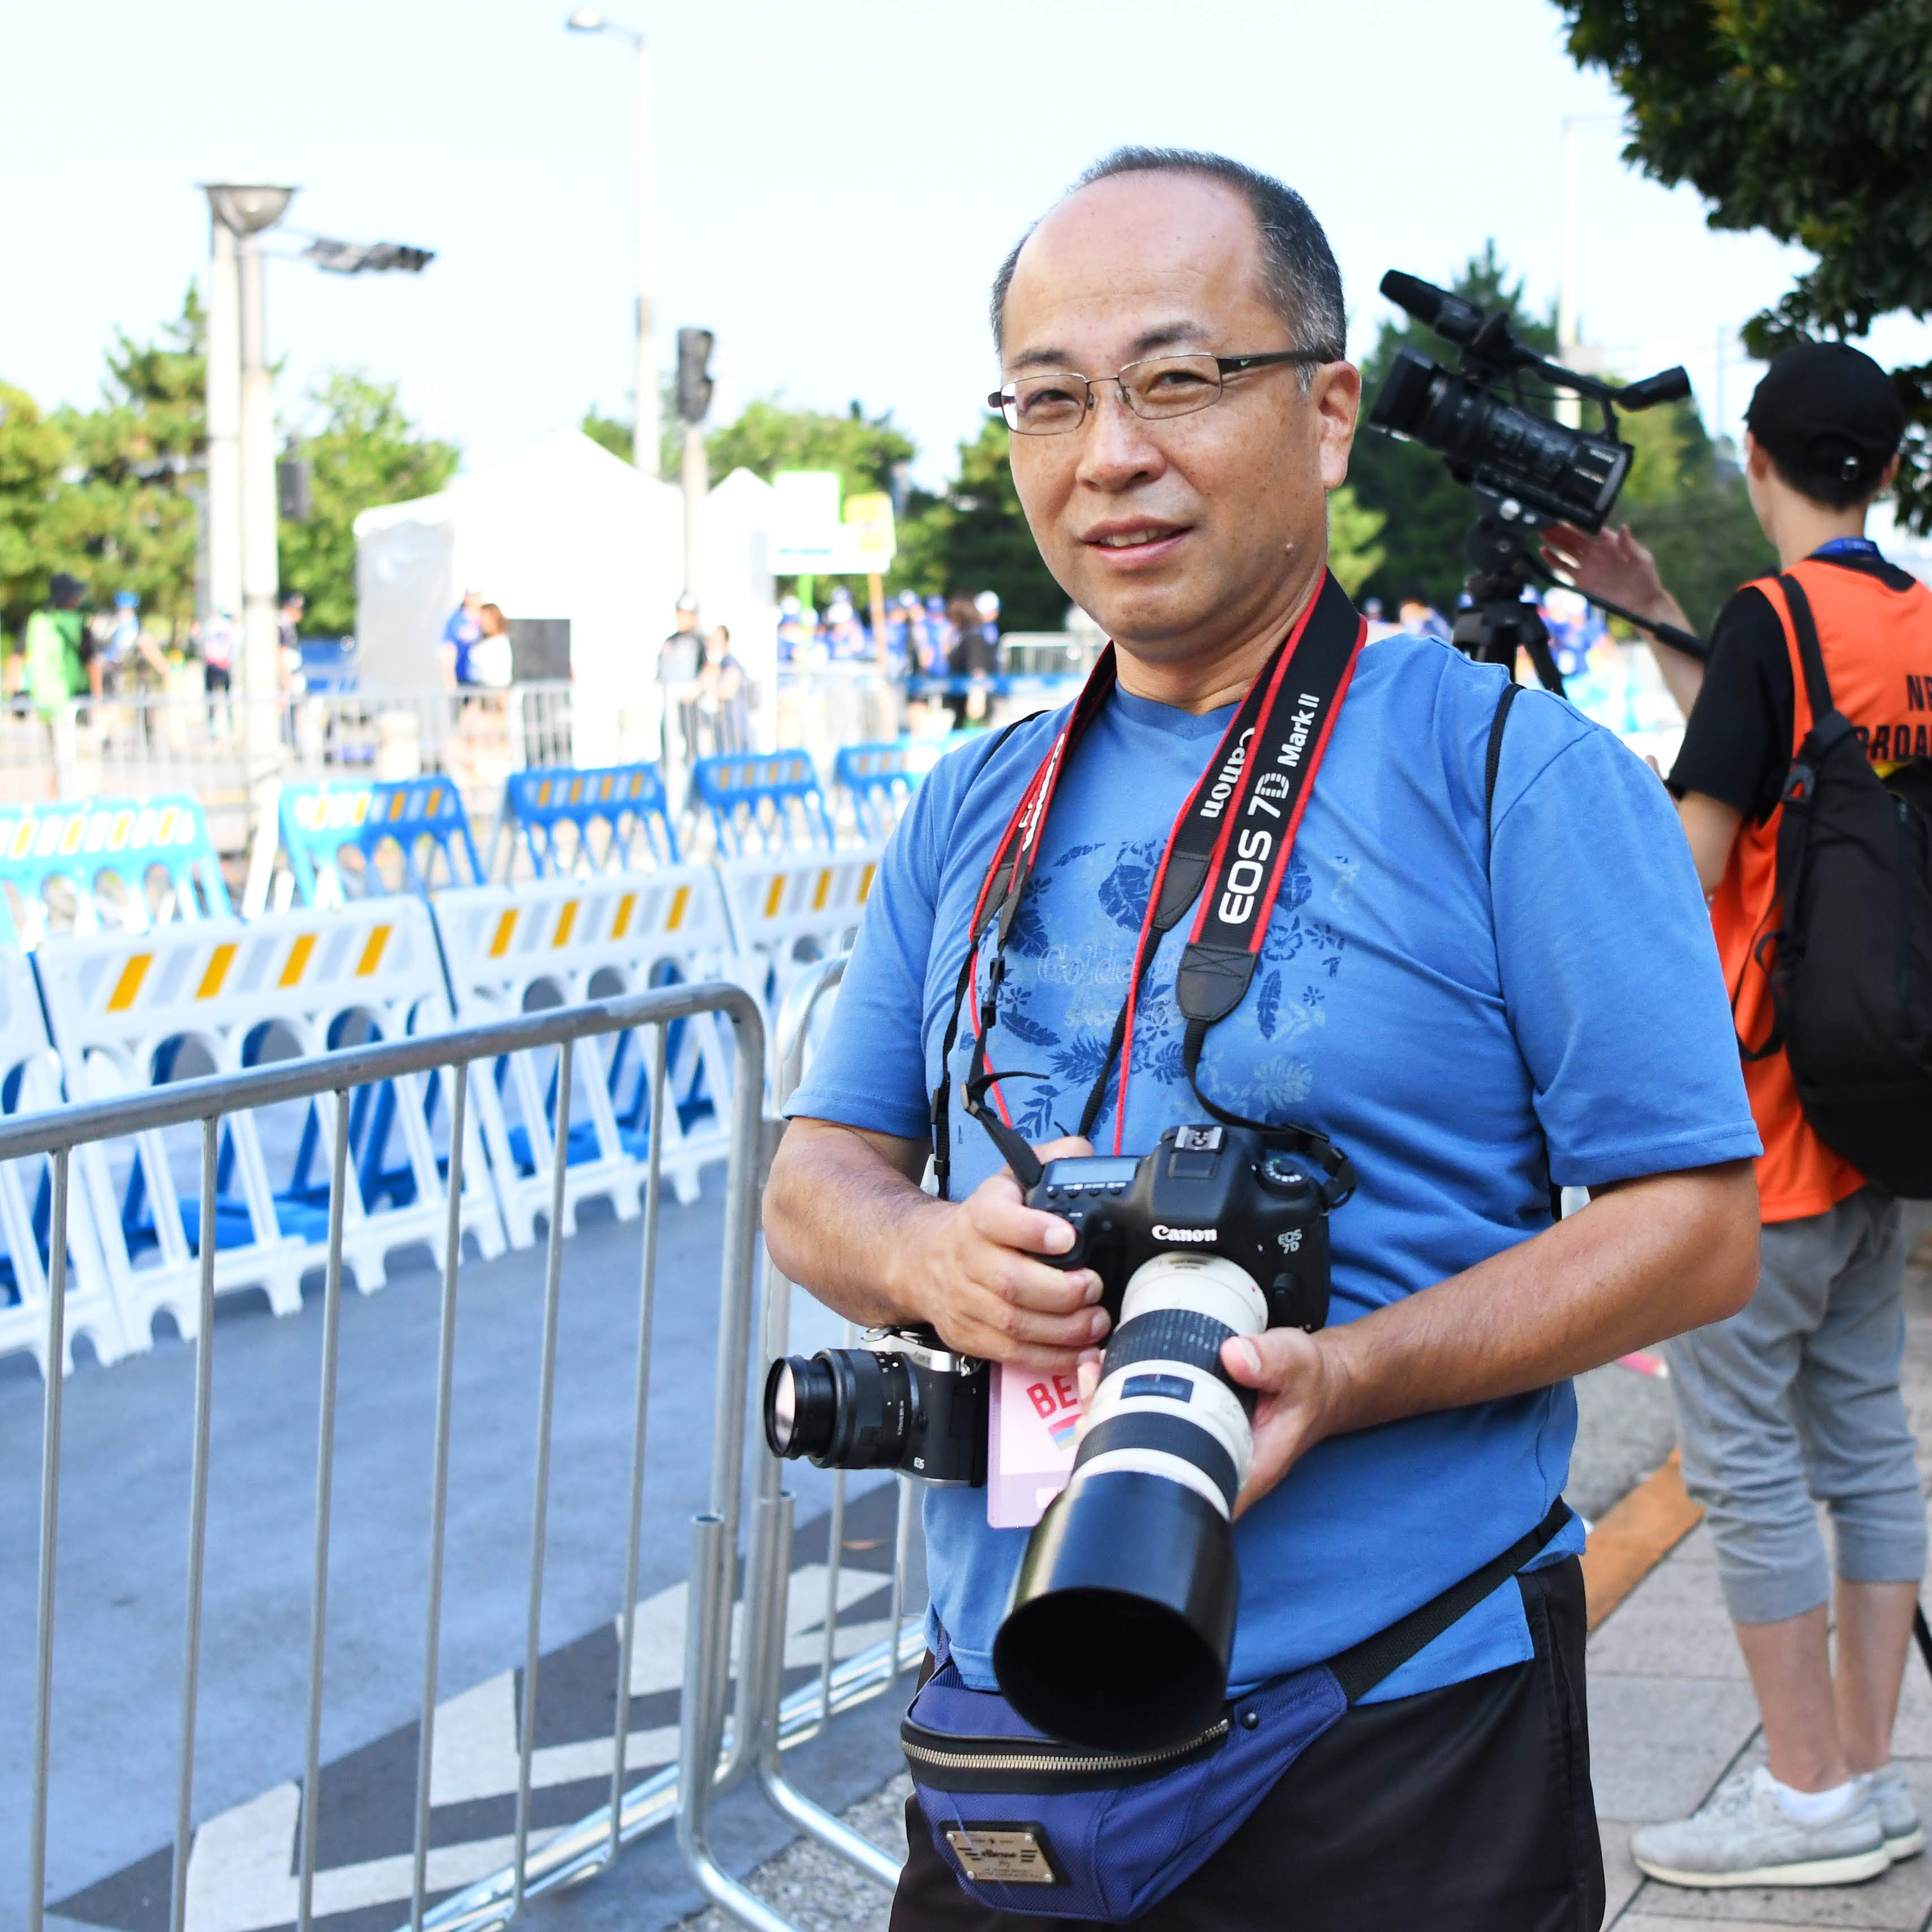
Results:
x,y
1122,1615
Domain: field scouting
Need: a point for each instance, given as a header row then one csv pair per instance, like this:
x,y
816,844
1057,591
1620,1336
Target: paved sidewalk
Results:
x,y
1671,1714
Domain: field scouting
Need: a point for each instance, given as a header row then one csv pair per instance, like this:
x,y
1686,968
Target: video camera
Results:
x,y
1527,471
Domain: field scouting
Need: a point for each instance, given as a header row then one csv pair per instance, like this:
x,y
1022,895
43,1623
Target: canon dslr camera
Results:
x,y
1122,1615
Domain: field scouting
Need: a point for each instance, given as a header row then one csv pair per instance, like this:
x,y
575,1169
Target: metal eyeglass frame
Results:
x,y
1225,367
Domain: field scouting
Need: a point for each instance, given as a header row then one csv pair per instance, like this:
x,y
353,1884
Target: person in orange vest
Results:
x,y
1795,1401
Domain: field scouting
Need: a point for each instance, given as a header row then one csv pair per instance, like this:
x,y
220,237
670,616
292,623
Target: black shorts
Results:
x,y
1462,1810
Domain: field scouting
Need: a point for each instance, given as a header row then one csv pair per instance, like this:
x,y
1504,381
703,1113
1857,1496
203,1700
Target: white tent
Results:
x,y
735,588
563,530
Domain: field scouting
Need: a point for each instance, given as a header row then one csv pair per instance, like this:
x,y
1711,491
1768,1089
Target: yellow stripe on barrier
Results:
x,y
821,892
506,928
866,882
127,987
680,903
219,961
565,920
372,951
297,962
775,896
627,904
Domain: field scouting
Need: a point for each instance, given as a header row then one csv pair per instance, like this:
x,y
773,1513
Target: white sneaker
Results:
x,y
1898,1816
1743,1836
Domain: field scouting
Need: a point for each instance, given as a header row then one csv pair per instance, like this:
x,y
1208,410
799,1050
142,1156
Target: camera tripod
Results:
x,y
1499,623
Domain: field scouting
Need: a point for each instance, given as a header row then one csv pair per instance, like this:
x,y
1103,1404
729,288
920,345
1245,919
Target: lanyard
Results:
x,y
1232,837
1837,547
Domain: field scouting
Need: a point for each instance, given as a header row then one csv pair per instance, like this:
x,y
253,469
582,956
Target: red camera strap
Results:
x,y
1227,853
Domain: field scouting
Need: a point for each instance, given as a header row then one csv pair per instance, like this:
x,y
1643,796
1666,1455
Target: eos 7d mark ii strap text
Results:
x,y
1228,853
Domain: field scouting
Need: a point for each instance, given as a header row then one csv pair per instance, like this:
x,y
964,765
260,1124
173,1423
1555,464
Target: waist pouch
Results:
x,y
1031,1824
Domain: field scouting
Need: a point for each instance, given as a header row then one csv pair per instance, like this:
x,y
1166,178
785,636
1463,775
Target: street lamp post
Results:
x,y
644,445
224,424
246,212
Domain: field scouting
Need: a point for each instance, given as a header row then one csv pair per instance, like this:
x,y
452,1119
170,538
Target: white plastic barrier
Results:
x,y
129,1014
30,1080
559,941
788,911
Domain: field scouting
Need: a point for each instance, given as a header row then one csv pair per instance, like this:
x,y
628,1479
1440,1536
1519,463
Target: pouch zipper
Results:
x,y
1093,1765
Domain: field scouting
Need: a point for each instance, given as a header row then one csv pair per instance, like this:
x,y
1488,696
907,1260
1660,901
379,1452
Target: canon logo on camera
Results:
x,y
1163,1233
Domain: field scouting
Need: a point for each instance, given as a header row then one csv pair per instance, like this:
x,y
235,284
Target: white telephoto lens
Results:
x,y
1208,1284
1186,1392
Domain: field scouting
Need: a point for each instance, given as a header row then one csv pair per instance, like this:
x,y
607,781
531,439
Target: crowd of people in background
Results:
x,y
70,653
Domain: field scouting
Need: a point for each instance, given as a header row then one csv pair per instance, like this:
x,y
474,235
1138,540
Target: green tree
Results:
x,y
1354,554
1687,502
33,451
974,537
767,437
608,432
365,451
1426,511
125,516
1810,121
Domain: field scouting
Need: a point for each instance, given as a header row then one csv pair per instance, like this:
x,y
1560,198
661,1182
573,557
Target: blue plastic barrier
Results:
x,y
763,803
122,840
628,801
418,821
879,782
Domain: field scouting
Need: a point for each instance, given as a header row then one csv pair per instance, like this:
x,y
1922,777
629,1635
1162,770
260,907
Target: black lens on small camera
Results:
x,y
801,1405
844,1408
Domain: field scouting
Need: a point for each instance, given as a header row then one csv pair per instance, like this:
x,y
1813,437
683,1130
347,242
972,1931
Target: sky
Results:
x,y
835,182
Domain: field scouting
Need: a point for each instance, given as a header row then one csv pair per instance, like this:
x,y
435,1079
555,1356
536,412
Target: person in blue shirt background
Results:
x,y
1472,1004
460,636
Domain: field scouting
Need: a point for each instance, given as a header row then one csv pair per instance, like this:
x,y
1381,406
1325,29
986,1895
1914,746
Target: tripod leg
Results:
x,y
1547,675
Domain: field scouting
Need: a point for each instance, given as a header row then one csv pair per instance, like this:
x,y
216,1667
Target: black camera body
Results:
x,y
1203,1190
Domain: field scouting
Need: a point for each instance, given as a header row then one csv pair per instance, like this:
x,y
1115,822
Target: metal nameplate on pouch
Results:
x,y
1003,1854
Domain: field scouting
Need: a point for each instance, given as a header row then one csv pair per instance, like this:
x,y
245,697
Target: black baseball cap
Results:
x,y
1827,410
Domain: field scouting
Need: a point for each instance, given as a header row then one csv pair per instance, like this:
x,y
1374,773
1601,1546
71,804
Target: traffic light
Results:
x,y
693,374
294,499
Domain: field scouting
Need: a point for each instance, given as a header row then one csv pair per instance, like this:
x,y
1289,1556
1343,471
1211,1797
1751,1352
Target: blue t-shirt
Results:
x,y
1442,1011
464,634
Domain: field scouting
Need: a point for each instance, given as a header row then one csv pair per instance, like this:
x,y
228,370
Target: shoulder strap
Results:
x,y
1804,628
942,1135
1359,1669
1493,763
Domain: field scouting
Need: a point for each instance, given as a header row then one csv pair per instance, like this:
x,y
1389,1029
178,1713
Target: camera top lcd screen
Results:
x,y
1094,1170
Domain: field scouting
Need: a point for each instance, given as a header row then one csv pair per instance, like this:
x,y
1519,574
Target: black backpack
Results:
x,y
1850,964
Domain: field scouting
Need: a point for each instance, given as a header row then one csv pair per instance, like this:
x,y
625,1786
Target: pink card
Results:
x,y
1031,1439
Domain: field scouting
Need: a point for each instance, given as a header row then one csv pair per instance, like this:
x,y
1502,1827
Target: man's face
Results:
x,y
1179,535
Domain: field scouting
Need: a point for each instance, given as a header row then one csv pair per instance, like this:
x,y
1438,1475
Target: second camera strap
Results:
x,y
1226,857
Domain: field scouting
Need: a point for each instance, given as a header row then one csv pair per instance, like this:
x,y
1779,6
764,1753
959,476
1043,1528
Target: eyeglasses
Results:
x,y
1162,385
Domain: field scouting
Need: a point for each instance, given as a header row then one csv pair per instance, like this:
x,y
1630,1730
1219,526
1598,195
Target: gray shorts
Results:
x,y
1795,1401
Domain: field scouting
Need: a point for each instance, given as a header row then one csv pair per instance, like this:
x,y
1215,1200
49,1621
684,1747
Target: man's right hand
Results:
x,y
969,1269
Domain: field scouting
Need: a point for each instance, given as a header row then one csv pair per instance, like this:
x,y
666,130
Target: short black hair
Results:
x,y
1298,266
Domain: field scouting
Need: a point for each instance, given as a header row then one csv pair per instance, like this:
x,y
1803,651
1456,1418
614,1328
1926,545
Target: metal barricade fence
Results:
x,y
331,1081
710,1759
767,1721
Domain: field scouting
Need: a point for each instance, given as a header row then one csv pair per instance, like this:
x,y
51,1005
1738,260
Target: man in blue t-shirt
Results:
x,y
1474,999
